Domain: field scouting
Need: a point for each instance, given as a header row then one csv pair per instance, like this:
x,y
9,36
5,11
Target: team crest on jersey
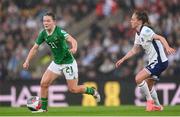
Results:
x,y
146,36
147,30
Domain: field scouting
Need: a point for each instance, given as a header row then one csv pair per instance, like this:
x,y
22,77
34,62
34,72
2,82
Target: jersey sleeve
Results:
x,y
40,38
63,34
147,33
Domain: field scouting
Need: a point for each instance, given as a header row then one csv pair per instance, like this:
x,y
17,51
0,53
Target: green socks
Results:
x,y
89,90
44,103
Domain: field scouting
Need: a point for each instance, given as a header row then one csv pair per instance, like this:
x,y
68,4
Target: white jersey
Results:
x,y
153,48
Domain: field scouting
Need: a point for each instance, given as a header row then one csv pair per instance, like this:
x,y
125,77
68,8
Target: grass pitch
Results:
x,y
91,111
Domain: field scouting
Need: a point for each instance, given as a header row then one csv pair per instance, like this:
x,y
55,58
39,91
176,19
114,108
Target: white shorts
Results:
x,y
70,70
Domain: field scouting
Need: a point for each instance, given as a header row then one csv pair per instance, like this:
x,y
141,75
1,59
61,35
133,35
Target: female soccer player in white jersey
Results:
x,y
155,47
63,60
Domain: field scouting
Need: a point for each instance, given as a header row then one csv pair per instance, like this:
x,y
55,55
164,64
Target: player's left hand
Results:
x,y
73,50
170,50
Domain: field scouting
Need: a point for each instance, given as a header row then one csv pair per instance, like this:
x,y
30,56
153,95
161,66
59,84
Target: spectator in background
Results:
x,y
106,8
3,72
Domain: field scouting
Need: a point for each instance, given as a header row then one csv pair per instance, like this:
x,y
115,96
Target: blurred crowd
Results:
x,y
20,23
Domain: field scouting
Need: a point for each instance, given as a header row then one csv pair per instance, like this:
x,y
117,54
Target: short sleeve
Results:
x,y
40,38
64,34
147,33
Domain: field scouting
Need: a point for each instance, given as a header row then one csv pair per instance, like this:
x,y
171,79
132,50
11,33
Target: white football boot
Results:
x,y
96,95
39,111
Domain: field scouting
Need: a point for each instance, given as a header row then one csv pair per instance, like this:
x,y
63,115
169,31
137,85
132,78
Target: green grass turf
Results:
x,y
92,111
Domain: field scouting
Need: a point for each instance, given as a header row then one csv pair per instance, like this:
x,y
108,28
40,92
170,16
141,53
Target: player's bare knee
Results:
x,y
138,80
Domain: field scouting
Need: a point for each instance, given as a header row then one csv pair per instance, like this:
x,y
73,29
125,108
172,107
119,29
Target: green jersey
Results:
x,y
58,45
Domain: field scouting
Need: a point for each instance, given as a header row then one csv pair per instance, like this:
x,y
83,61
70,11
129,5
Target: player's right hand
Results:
x,y
73,50
26,65
119,62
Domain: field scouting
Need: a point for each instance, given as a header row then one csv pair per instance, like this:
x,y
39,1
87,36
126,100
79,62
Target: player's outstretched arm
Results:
x,y
73,43
31,54
131,53
168,49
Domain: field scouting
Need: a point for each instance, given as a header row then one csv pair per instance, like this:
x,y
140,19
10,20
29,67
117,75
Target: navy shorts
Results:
x,y
156,68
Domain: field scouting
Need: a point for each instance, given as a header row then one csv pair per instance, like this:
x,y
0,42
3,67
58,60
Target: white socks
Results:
x,y
150,95
155,96
145,90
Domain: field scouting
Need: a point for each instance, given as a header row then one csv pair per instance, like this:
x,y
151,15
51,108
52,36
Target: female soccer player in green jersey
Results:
x,y
63,60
